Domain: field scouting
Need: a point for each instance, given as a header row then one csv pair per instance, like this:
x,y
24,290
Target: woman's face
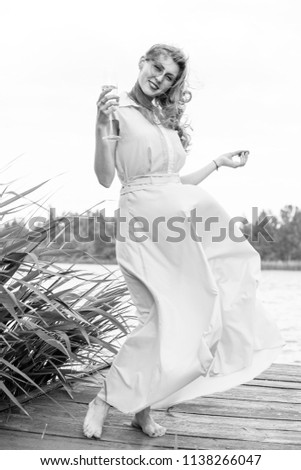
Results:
x,y
157,75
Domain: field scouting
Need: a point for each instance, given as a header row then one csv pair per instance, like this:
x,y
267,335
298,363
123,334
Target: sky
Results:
x,y
245,75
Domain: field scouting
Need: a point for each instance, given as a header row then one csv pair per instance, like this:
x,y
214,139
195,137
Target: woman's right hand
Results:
x,y
106,105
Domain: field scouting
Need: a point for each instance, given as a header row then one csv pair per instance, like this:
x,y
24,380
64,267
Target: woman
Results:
x,y
201,329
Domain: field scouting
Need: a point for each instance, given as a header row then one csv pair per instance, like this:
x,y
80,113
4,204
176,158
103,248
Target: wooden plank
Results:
x,y
263,430
240,400
75,411
282,376
87,394
277,373
114,437
242,392
284,368
194,424
178,441
90,392
81,384
211,406
275,384
263,414
274,369
239,408
16,440
281,372
293,369
79,396
5,405
259,390
257,393
284,399
219,427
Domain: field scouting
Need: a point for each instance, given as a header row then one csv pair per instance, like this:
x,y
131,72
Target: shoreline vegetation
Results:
x,y
293,265
58,324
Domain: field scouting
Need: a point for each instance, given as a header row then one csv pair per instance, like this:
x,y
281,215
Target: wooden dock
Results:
x,y
262,414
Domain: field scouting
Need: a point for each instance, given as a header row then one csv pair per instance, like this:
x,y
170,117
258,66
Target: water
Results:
x,y
279,291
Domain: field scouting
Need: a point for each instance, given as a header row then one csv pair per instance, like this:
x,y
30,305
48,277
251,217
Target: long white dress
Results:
x,y
201,329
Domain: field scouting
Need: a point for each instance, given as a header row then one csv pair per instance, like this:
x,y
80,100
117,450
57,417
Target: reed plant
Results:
x,y
56,323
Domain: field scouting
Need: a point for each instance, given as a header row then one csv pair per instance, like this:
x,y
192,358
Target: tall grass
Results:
x,y
55,324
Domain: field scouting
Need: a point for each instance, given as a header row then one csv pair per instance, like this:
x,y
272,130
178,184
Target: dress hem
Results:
x,y
204,386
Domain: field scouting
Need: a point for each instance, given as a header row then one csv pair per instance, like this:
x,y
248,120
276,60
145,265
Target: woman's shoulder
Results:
x,y
126,101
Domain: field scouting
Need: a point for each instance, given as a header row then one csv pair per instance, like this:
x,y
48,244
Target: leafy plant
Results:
x,y
55,323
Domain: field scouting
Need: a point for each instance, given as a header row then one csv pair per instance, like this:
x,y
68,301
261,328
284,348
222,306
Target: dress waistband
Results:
x,y
138,182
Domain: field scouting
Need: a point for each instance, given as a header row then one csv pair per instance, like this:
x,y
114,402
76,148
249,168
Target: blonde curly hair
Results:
x,y
172,103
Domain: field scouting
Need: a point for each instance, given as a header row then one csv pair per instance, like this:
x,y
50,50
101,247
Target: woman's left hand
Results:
x,y
227,159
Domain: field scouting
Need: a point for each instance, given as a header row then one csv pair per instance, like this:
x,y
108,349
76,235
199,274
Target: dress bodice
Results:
x,y
145,148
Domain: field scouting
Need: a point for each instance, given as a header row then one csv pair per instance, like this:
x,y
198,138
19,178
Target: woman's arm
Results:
x,y
224,160
104,161
197,176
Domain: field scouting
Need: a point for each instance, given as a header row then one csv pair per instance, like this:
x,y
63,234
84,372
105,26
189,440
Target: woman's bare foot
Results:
x,y
145,422
95,417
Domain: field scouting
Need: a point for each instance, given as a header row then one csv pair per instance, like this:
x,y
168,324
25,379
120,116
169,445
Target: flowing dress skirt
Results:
x,y
201,327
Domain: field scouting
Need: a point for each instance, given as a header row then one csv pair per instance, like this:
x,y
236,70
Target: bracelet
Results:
x,y
216,164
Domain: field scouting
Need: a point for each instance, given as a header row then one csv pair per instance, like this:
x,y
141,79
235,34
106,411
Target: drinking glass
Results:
x,y
112,129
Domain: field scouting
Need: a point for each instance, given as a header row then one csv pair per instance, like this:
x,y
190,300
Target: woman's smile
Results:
x,y
153,85
157,75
